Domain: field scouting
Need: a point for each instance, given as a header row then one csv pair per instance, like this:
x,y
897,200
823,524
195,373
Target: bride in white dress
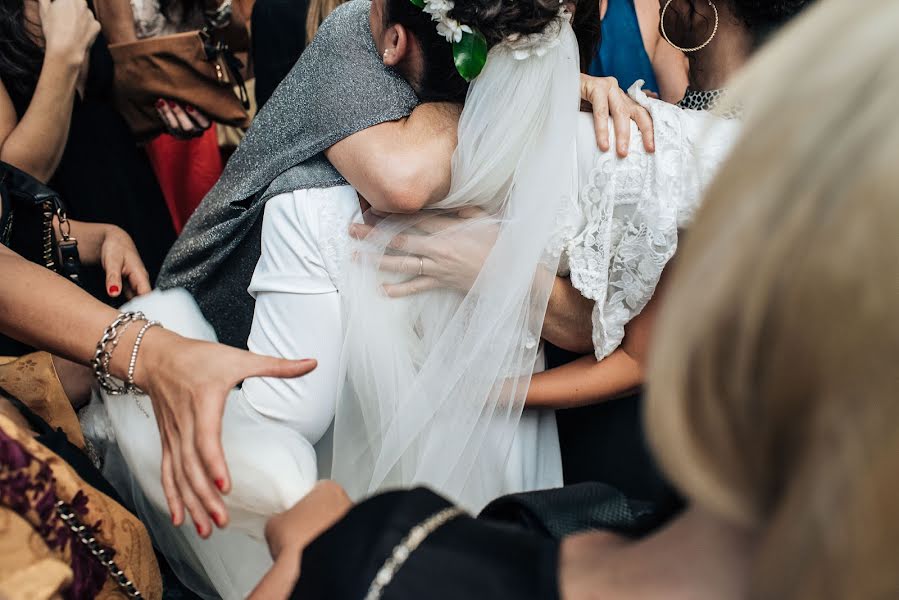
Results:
x,y
430,389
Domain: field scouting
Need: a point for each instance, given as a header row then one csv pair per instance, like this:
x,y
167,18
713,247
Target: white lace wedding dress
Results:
x,y
614,238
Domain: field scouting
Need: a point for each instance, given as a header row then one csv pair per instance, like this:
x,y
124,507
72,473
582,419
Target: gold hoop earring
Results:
x,y
686,50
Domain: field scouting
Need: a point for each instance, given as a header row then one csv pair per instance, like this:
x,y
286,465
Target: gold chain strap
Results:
x,y
48,235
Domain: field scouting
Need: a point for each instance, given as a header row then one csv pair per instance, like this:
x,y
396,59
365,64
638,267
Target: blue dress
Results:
x,y
622,54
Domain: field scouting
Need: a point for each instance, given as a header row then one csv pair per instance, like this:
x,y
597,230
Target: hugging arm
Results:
x,y
588,381
568,320
403,166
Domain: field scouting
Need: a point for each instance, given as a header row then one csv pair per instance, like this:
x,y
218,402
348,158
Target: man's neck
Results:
x,y
713,66
697,557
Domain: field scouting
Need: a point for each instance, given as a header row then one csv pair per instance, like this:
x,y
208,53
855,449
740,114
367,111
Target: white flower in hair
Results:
x,y
438,9
451,29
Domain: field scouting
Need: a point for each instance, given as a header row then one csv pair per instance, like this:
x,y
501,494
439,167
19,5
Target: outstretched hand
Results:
x,y
188,382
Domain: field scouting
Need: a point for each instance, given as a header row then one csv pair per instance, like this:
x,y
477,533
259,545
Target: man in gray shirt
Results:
x,y
337,88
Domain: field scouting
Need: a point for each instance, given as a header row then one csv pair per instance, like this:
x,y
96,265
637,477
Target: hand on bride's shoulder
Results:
x,y
607,100
188,382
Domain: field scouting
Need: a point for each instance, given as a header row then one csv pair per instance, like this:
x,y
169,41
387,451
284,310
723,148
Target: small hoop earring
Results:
x,y
385,54
686,50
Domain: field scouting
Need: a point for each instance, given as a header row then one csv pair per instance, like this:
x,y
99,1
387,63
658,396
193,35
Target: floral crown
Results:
x,y
469,45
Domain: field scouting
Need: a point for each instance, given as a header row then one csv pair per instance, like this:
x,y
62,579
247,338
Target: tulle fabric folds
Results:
x,y
436,382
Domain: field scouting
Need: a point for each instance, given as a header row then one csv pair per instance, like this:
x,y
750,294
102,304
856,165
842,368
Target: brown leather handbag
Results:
x,y
190,68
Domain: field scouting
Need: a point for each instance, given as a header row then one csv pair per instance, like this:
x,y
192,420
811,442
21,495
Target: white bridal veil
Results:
x,y
436,383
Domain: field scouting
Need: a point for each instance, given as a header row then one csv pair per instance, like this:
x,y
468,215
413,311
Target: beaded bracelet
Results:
x,y
105,348
129,383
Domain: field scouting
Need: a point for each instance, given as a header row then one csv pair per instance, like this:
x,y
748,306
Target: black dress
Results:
x,y
510,552
103,176
465,558
606,442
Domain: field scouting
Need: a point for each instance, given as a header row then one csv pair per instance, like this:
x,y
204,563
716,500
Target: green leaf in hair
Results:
x,y
470,54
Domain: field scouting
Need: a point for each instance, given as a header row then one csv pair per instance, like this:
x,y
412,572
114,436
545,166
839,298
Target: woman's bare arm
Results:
x,y
588,381
569,318
187,380
585,381
36,143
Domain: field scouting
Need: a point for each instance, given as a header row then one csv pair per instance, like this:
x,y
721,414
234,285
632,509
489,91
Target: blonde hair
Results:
x,y
774,378
318,12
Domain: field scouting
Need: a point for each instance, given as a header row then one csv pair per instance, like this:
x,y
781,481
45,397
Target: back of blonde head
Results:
x,y
774,384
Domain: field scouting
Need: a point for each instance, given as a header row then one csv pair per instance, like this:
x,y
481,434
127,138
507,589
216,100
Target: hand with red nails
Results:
x,y
182,120
113,249
188,382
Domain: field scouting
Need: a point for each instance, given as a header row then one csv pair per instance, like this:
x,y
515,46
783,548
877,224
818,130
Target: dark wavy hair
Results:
x,y
21,58
441,81
496,19
761,17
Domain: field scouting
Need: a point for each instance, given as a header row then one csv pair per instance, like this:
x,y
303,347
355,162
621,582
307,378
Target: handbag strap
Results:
x,y
216,49
84,535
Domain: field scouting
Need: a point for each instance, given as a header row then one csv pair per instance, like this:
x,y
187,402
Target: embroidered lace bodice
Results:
x,y
632,209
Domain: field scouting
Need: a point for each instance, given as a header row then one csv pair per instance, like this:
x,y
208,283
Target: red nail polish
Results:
x,y
172,104
199,529
174,521
113,289
220,484
160,103
190,108
219,520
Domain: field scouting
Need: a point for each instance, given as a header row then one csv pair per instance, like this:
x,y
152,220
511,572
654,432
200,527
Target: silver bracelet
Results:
x,y
129,383
105,348
114,343
406,547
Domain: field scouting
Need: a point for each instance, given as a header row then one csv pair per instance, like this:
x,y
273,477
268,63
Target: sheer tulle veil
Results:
x,y
436,383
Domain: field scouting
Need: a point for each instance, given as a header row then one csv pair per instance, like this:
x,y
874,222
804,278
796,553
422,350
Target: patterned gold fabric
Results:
x,y
28,569
32,379
38,555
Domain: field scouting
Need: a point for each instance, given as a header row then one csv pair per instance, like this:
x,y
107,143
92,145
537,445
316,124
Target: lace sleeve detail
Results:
x,y
634,208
